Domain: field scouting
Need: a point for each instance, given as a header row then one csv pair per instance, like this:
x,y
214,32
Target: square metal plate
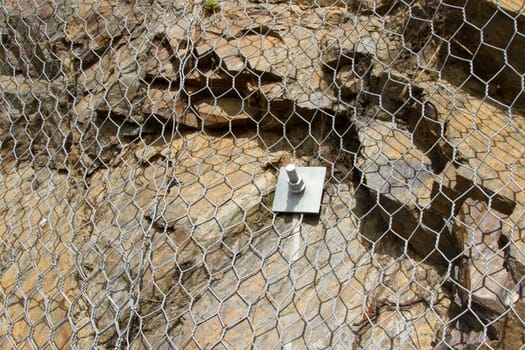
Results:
x,y
308,201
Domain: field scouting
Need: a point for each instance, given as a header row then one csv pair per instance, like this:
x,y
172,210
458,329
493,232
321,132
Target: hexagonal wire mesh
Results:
x,y
142,140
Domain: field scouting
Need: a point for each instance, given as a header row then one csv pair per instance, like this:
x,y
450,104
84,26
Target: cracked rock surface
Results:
x,y
141,149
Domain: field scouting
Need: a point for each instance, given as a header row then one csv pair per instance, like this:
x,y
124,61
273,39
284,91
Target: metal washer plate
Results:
x,y
308,201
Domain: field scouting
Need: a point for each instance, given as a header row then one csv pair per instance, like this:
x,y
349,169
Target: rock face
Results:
x,y
35,120
142,143
495,57
306,288
223,112
37,281
401,177
175,213
484,269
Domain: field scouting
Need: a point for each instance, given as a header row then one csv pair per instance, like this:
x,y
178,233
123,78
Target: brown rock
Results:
x,y
322,3
510,328
507,5
428,133
377,6
23,9
280,54
276,106
120,205
313,287
363,36
487,159
206,44
348,82
394,333
320,17
166,104
212,81
485,278
109,131
224,112
239,47
264,53
302,71
97,23
35,120
123,92
28,36
162,63
488,144
514,232
116,83
494,56
173,243
396,171
178,33
449,190
37,286
219,192
197,206
229,55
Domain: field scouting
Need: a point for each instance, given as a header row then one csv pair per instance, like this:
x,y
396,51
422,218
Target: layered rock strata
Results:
x,y
141,147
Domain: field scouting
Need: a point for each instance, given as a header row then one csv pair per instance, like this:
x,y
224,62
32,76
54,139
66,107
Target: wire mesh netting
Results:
x,y
142,142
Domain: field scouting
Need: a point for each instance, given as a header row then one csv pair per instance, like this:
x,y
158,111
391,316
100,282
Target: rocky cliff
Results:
x,y
142,141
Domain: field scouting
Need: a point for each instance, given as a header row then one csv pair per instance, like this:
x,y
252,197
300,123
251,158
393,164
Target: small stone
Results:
x,y
224,112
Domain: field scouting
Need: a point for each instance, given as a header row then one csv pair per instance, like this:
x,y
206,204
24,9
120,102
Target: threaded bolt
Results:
x,y
293,177
295,182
